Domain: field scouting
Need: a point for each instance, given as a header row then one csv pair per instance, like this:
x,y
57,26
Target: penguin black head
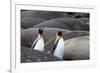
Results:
x,y
60,33
40,31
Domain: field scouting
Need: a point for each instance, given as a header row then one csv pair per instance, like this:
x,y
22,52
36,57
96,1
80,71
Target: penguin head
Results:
x,y
40,31
60,33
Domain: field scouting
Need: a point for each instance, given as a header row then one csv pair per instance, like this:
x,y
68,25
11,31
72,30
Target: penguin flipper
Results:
x,y
55,45
34,43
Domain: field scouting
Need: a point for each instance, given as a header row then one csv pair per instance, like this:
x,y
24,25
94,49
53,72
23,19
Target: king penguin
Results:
x,y
38,44
58,48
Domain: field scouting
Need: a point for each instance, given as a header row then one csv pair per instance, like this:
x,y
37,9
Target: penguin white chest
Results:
x,y
59,51
39,45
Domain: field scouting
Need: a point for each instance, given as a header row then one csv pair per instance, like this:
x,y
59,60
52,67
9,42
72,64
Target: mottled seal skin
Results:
x,y
41,14
77,48
52,14
65,23
30,22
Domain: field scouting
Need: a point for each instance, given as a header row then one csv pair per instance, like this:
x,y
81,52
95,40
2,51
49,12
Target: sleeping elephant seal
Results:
x,y
77,48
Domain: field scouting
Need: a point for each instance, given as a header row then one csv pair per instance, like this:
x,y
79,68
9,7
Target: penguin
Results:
x,y
58,48
38,44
